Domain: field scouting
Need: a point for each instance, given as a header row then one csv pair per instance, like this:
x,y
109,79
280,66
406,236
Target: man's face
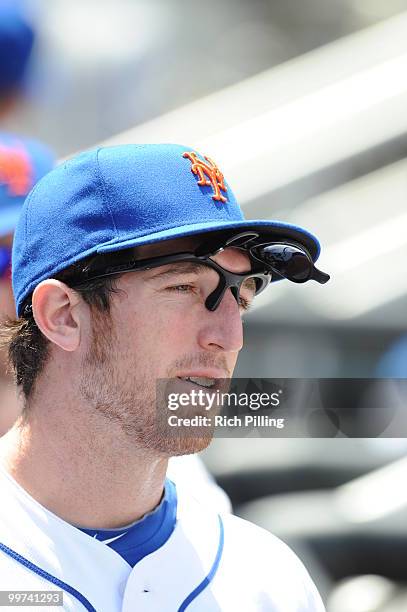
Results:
x,y
160,328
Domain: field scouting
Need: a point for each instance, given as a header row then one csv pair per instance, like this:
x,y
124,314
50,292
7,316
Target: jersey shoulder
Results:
x,y
262,559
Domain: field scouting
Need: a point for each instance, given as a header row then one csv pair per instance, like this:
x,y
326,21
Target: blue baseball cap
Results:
x,y
16,42
114,198
22,163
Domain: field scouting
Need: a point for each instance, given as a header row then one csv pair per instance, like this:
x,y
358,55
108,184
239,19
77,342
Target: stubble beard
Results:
x,y
127,396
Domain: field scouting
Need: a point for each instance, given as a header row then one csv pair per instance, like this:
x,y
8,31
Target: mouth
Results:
x,y
201,381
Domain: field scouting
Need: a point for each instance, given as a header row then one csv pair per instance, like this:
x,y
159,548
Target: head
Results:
x,y
109,322
116,341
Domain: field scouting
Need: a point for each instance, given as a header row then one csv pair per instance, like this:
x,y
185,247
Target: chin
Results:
x,y
173,446
190,446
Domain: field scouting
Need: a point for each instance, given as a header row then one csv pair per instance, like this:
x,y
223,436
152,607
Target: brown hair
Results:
x,y
28,348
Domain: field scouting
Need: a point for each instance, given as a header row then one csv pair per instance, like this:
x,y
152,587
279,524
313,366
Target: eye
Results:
x,y
184,288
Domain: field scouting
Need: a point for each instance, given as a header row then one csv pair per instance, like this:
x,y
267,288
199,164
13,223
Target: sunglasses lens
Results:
x,y
287,260
216,243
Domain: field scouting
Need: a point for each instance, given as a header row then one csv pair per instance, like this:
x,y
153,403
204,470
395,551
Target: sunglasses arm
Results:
x,y
319,276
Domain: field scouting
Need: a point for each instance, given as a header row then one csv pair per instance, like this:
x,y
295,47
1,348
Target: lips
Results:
x,y
211,381
203,372
202,381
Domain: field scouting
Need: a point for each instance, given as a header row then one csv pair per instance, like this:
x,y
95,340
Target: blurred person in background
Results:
x,y
16,43
22,163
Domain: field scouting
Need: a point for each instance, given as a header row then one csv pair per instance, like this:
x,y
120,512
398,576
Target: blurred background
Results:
x,y
302,103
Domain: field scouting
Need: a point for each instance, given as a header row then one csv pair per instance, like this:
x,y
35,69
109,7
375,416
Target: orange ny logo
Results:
x,y
15,171
210,170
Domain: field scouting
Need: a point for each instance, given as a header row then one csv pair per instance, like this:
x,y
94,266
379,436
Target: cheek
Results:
x,y
174,331
153,332
161,335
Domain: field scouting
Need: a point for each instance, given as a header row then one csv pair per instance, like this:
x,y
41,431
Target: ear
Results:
x,y
56,312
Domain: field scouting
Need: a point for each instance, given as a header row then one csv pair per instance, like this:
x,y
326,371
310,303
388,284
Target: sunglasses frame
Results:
x,y
227,279
246,241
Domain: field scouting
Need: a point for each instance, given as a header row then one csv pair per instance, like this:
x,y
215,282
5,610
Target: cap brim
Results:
x,y
271,230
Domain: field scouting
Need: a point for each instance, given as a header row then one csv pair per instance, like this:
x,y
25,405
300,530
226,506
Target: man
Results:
x,y
133,264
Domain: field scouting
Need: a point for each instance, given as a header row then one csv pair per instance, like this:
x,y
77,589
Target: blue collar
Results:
x,y
139,539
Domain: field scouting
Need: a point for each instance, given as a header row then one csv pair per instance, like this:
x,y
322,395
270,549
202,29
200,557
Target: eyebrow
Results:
x,y
179,268
190,267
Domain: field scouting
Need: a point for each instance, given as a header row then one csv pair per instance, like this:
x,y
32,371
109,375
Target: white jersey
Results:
x,y
210,563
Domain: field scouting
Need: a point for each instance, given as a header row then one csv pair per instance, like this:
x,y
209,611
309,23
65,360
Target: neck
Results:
x,y
86,472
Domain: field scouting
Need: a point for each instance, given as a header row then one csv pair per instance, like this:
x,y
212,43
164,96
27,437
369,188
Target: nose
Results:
x,y
222,329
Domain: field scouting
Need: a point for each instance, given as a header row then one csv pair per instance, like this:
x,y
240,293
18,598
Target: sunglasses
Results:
x,y
283,259
225,279
269,261
5,263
